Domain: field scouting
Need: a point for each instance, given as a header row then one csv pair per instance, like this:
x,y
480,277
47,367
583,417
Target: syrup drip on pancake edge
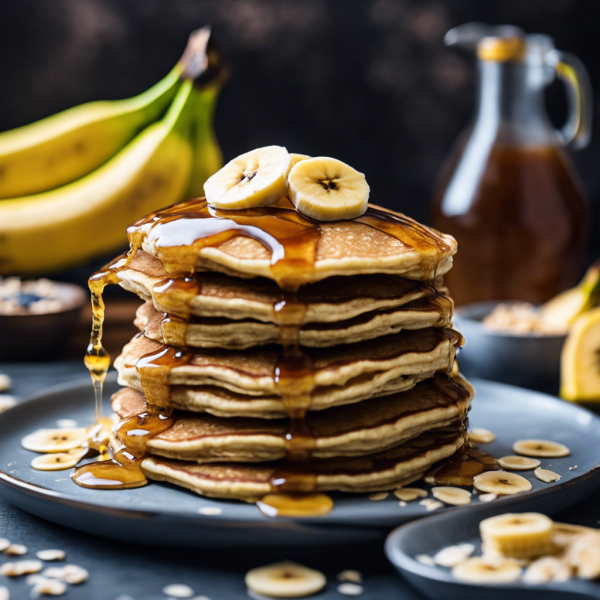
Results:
x,y
179,232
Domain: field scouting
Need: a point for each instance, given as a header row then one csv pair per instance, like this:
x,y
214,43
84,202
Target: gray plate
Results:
x,y
427,536
171,515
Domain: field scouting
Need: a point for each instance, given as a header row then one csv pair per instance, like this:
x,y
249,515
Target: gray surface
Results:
x,y
141,571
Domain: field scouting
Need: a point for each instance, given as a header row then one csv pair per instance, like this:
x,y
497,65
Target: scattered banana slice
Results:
x,y
350,575
547,569
487,570
326,189
518,463
452,495
58,461
541,448
487,497
51,555
409,494
545,475
502,483
377,496
525,535
453,555
54,440
296,158
256,178
285,580
481,436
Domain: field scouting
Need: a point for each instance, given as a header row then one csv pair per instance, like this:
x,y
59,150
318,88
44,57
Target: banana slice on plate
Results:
x,y
58,461
525,535
487,570
256,178
548,568
541,448
326,189
55,440
285,580
518,463
451,495
502,483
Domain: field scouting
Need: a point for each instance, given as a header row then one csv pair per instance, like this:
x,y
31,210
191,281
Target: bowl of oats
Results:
x,y
38,317
512,342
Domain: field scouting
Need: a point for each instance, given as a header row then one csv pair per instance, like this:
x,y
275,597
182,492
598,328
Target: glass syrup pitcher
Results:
x,y
508,192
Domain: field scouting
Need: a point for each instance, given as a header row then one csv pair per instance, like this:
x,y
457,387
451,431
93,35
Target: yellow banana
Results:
x,y
86,218
64,147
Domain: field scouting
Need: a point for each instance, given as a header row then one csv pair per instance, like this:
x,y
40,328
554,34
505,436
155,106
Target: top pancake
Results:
x,y
218,295
190,236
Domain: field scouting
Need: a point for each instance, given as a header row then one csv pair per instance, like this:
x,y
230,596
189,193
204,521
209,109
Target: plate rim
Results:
x,y
62,499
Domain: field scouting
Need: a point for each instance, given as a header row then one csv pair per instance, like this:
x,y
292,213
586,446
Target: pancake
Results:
x,y
252,371
386,470
354,430
217,295
248,243
201,332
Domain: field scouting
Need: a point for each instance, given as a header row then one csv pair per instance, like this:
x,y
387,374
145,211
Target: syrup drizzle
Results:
x,y
178,233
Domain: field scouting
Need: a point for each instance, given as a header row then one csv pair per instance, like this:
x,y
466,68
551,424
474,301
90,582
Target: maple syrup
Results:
x,y
178,233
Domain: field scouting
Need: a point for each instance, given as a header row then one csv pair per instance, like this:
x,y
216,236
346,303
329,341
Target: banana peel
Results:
x,y
580,359
562,310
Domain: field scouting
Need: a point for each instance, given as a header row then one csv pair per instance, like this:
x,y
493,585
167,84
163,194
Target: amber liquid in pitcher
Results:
x,y
521,228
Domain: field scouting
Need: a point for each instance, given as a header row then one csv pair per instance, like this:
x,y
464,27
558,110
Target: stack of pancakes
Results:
x,y
374,341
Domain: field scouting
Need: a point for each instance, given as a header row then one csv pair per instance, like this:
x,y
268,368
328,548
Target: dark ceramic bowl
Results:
x,y
530,360
43,336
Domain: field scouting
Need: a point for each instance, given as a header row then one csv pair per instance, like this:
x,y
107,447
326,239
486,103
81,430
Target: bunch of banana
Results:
x,y
71,184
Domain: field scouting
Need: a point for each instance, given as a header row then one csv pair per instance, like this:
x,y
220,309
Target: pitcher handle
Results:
x,y
577,130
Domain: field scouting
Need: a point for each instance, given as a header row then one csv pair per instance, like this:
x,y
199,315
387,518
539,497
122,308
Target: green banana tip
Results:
x,y
201,61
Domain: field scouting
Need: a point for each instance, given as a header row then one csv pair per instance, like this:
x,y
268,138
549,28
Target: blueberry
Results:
x,y
26,300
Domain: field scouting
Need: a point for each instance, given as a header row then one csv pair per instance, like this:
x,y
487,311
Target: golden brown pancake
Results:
x,y
386,470
252,372
355,430
176,236
201,332
218,295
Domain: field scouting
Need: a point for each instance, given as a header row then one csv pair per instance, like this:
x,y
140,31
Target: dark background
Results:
x,y
369,82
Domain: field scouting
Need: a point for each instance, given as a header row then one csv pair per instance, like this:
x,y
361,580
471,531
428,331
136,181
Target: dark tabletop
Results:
x,y
140,572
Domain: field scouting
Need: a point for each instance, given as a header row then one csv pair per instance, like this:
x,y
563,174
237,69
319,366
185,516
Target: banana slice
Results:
x,y
545,475
502,483
256,178
518,463
541,448
487,570
58,461
409,494
453,555
296,158
547,569
54,440
285,580
452,495
525,535
326,189
479,435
